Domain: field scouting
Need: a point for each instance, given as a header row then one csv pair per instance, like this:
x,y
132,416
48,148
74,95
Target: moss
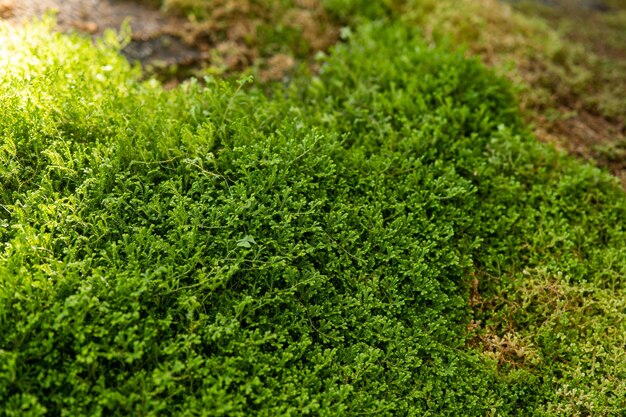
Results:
x,y
211,250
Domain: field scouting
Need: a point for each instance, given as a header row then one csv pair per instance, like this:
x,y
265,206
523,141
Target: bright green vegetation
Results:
x,y
215,251
569,67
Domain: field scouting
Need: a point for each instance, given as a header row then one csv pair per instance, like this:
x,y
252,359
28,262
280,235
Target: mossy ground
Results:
x,y
385,236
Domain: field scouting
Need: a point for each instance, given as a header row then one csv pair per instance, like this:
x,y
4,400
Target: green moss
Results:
x,y
213,251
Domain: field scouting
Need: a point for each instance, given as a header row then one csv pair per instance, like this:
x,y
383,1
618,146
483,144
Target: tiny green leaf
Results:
x,y
246,242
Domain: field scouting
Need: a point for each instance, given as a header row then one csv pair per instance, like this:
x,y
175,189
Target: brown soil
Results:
x,y
93,16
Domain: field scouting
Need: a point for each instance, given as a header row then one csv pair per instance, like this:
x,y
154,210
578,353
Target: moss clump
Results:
x,y
213,251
